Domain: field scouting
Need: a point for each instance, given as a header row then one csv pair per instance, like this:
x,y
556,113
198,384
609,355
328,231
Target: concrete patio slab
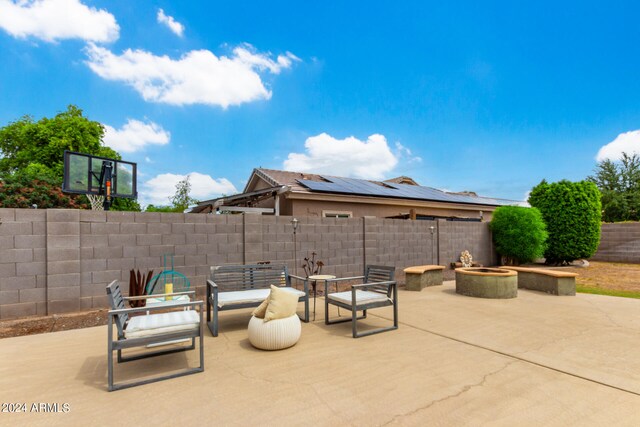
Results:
x,y
533,360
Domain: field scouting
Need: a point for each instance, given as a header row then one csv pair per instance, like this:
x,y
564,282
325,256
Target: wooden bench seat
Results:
x,y
550,281
420,276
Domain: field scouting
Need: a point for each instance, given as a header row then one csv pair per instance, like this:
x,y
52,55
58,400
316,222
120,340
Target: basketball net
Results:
x,y
97,202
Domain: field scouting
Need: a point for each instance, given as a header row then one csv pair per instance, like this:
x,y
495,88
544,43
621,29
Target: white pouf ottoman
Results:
x,y
275,334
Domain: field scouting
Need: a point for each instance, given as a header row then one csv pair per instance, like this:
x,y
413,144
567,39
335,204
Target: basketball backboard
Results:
x,y
87,174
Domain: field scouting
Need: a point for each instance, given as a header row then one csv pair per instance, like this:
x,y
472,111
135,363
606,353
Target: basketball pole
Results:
x,y
107,184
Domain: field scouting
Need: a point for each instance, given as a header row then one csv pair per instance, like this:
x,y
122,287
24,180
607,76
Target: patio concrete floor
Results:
x,y
534,360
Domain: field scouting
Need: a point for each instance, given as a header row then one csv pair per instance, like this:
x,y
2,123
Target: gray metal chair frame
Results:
x,y
376,278
226,278
120,316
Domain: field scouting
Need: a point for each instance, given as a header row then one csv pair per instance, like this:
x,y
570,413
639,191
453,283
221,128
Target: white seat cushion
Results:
x,y
362,297
157,324
250,296
153,302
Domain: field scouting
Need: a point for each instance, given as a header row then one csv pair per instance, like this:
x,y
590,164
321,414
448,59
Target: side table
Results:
x,y
314,279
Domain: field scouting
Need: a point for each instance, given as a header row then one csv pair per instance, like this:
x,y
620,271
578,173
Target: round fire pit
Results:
x,y
483,282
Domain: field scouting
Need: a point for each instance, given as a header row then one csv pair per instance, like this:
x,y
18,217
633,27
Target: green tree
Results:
x,y
154,208
572,213
619,185
41,144
519,234
34,150
182,199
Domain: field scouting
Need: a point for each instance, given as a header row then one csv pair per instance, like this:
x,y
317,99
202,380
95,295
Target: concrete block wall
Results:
x,y
113,243
619,243
338,243
399,242
457,236
57,260
23,263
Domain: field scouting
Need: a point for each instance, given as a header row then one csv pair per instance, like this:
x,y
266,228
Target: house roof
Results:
x,y
401,187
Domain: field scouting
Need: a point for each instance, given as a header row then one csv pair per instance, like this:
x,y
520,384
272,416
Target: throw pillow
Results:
x,y
282,304
260,310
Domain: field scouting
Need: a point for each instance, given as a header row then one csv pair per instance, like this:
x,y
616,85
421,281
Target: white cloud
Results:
x,y
53,20
406,153
157,190
198,77
135,135
148,159
628,142
350,157
175,27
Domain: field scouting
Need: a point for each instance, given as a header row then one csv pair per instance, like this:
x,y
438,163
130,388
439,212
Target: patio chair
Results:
x,y
378,290
174,324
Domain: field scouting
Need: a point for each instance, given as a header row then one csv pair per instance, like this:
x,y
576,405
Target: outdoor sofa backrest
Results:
x,y
246,277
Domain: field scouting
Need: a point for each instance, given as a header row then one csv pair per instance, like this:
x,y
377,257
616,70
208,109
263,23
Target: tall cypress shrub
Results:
x,y
572,212
519,234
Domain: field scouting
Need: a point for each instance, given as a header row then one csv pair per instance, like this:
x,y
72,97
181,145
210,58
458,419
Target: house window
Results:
x,y
337,214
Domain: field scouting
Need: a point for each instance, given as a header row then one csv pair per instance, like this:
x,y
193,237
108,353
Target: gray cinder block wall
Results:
x,y
60,260
619,242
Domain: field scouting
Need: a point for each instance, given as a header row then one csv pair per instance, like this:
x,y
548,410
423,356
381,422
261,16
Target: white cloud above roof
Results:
x,y
160,188
406,154
135,135
54,20
628,142
173,25
349,157
198,77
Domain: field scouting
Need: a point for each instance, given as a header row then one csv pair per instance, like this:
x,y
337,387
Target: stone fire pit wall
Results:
x,y
486,283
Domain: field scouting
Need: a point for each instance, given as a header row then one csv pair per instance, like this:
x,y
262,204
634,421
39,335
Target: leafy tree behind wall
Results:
x,y
619,185
180,201
519,234
572,213
32,152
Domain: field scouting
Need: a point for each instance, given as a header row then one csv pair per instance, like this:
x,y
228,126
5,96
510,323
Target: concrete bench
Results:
x,y
550,281
420,276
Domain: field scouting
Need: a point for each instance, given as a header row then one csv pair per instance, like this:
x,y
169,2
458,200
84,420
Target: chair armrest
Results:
x,y
155,308
335,281
305,282
212,289
158,295
374,284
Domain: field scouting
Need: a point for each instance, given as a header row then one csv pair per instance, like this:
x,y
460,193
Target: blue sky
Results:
x,y
484,96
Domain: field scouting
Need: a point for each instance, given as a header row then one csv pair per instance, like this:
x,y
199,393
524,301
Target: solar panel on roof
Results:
x,y
401,191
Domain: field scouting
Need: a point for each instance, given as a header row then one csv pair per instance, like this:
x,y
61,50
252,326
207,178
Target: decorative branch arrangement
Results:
x,y
138,286
311,266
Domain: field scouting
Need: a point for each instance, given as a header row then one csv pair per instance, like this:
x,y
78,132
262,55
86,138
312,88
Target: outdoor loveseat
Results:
x,y
233,287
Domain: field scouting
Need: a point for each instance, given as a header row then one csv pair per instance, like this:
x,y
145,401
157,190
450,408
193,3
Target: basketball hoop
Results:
x,y
97,202
101,179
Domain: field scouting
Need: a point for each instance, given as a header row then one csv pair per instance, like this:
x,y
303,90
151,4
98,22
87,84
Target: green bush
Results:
x,y
22,191
519,234
572,212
